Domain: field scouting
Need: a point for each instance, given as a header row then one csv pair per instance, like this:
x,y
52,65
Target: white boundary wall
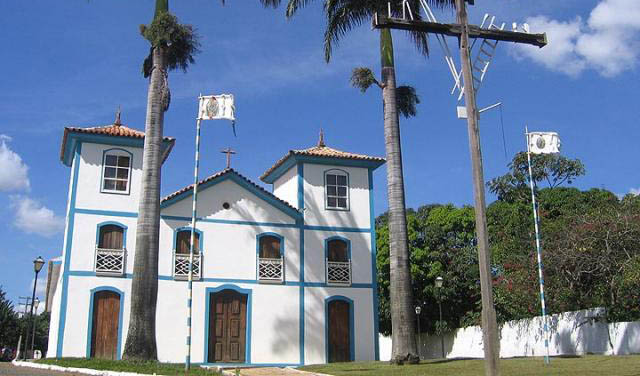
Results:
x,y
571,333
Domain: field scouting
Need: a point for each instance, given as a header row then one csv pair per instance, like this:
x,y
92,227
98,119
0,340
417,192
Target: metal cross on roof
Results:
x,y
228,152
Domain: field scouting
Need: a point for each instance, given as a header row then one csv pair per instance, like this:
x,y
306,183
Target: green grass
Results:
x,y
128,366
584,366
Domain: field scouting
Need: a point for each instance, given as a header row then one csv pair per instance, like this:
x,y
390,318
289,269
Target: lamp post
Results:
x,y
37,266
36,302
418,342
438,284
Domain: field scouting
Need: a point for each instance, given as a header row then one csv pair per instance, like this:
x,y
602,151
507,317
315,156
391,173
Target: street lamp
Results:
x,y
439,281
37,266
418,342
36,302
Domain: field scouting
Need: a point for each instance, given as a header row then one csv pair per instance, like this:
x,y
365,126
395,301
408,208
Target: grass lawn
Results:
x,y
628,365
128,366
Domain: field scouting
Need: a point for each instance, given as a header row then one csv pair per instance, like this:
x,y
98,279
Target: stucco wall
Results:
x,y
571,333
286,186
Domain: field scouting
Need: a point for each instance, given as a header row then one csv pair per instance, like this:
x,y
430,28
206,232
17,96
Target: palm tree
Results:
x,y
172,46
343,16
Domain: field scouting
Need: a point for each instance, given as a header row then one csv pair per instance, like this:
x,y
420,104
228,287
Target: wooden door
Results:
x,y
339,332
227,327
104,332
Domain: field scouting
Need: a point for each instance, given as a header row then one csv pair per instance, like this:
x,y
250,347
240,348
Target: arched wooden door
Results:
x,y
104,330
227,327
339,331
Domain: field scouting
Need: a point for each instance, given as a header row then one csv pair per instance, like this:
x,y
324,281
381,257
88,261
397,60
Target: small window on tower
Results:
x,y
116,172
336,184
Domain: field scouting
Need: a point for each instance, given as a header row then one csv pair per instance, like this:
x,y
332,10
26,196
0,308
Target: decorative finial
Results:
x,y
321,139
117,122
228,152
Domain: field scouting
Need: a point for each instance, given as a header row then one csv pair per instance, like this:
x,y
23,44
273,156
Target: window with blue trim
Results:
x,y
182,257
336,190
116,172
110,250
338,269
270,259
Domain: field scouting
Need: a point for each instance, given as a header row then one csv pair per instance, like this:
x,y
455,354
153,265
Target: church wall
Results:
x,y
286,186
314,255
315,213
315,322
244,205
90,176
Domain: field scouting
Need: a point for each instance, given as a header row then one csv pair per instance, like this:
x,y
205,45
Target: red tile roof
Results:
x,y
117,130
321,150
220,174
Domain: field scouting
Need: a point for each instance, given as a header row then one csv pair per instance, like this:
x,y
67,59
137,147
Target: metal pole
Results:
x,y
536,221
440,326
489,323
418,339
33,332
194,211
33,296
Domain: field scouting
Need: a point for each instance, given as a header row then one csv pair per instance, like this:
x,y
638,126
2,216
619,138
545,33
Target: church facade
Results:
x,y
286,277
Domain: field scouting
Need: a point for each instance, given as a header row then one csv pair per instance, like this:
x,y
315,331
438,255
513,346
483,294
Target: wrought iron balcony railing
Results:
x,y
110,262
270,269
181,266
338,273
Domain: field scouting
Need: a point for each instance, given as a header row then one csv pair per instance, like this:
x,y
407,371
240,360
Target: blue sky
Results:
x,y
75,62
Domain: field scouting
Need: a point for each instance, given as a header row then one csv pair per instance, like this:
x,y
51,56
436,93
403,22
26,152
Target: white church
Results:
x,y
281,278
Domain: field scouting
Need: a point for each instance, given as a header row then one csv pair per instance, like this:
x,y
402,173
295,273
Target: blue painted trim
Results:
x,y
326,206
208,292
374,271
102,167
352,343
75,138
301,317
122,226
120,317
231,175
57,262
297,159
112,213
337,229
67,251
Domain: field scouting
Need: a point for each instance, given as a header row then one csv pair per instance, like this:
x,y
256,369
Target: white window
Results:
x,y
116,172
336,185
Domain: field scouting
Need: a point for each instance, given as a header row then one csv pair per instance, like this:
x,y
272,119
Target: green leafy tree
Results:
x,y
9,326
172,46
343,16
554,169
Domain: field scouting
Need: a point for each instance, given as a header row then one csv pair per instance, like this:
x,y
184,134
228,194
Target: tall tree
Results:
x,y
172,46
342,16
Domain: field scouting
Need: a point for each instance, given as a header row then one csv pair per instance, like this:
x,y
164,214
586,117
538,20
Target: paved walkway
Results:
x,y
8,369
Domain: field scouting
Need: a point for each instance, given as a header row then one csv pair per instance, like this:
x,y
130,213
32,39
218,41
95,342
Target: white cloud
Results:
x,y
608,42
34,218
13,171
635,191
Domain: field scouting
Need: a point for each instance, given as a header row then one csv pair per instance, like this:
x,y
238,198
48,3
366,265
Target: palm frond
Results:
x,y
181,41
294,5
362,78
268,3
342,17
407,99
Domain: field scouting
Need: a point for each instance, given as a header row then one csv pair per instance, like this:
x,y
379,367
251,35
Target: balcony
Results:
x,y
270,270
181,266
338,273
110,262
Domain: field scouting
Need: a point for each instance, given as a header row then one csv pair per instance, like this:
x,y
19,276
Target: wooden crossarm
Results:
x,y
381,21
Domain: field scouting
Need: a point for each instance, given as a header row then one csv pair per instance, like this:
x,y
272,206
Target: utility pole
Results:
x,y
464,31
489,323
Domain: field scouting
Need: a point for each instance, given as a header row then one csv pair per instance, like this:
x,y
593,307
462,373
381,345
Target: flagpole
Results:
x,y
539,251
194,211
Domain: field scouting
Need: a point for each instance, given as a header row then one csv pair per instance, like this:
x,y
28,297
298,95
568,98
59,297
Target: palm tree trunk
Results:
x,y
141,337
401,292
